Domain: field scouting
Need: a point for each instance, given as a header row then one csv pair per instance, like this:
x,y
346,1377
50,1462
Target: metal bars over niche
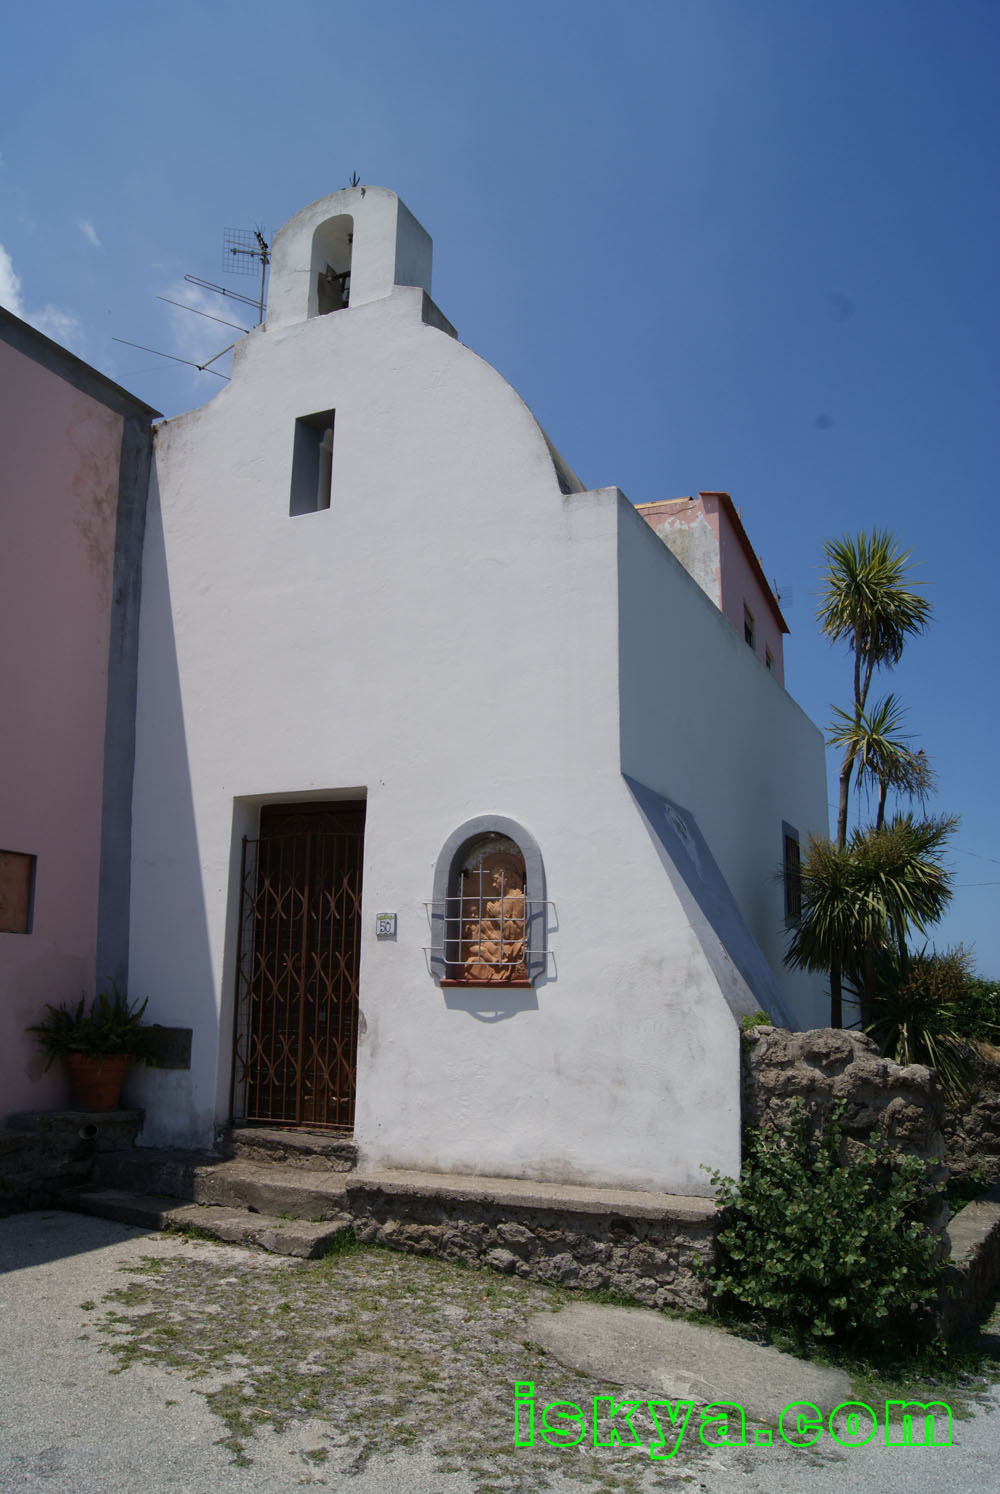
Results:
x,y
499,953
487,922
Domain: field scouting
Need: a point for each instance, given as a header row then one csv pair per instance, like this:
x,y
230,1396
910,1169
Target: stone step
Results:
x,y
159,1170
295,1237
642,1245
314,1151
530,1195
201,1178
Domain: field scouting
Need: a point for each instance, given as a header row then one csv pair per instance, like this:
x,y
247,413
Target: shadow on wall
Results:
x,y
734,956
491,1003
170,959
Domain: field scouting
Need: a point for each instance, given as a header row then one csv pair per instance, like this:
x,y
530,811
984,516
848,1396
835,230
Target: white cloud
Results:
x,y
62,326
89,231
10,285
196,337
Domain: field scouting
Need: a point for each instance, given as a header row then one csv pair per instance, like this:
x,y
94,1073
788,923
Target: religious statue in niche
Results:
x,y
492,915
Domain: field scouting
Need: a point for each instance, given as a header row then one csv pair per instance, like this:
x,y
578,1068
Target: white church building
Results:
x,y
459,807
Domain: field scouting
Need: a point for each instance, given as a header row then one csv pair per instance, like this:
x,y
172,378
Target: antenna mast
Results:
x,y
243,250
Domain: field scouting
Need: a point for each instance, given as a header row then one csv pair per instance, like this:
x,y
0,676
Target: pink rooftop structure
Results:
x,y
706,535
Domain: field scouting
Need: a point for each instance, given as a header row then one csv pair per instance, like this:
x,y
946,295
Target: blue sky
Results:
x,y
738,244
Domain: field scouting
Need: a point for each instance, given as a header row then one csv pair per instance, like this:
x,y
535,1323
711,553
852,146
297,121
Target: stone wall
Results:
x,y
644,1253
972,1133
43,1152
903,1108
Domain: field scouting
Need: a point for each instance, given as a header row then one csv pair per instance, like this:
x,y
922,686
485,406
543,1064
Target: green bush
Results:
x,y
978,1010
960,1191
927,1008
815,1249
747,1024
758,1018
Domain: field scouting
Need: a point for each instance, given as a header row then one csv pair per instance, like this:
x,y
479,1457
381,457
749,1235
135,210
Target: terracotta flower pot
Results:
x,y
96,1083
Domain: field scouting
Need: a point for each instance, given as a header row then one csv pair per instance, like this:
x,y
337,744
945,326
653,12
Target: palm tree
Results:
x,y
919,1012
904,887
866,602
825,932
862,899
880,753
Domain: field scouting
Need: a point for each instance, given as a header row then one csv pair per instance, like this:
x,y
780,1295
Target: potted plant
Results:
x,y
97,1044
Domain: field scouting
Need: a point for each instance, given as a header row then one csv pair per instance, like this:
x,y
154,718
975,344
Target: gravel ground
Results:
x,y
136,1362
379,1352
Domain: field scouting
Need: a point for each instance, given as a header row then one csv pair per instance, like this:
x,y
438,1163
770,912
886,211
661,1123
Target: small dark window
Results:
x,y
748,628
792,867
312,463
17,885
768,660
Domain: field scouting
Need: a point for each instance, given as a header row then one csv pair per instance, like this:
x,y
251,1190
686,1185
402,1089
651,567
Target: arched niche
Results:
x,y
490,872
330,267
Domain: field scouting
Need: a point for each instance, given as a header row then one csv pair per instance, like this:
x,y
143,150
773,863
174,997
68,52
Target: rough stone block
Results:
x,y
884,1101
517,1238
501,1260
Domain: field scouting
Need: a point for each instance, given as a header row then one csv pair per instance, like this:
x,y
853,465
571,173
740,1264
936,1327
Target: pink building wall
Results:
x,y
708,538
59,500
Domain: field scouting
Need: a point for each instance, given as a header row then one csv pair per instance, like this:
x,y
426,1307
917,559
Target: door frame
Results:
x,y
310,854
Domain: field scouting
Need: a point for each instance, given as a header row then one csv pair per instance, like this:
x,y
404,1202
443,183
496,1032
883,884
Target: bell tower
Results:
x,y
347,249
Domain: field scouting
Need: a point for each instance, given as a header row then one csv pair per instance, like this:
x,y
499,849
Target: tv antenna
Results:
x,y
201,367
243,250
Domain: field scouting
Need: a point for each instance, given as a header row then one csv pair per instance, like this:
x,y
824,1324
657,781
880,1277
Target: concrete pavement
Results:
x,y
70,1426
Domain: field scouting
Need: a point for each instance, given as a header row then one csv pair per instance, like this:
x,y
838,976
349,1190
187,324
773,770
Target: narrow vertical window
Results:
x,y
768,661
312,463
792,868
748,628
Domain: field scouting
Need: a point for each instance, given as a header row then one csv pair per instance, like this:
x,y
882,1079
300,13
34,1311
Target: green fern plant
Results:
x,y
112,1024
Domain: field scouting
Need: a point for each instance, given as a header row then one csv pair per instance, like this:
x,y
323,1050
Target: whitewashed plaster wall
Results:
x,y
706,724
390,248
444,639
